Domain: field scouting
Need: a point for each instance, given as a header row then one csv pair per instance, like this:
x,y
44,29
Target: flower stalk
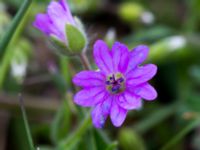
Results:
x,y
30,140
85,61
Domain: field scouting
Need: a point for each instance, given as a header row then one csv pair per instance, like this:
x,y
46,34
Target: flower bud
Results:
x,y
66,32
76,40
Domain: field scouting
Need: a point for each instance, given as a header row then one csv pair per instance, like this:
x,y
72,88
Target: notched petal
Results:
x,y
117,114
146,91
120,56
101,112
89,79
90,96
102,56
137,56
141,74
129,101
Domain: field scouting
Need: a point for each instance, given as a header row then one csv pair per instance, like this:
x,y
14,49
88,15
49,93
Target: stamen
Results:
x,y
115,83
108,82
115,88
120,80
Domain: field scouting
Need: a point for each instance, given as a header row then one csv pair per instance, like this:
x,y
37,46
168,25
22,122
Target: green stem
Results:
x,y
193,124
30,141
76,136
11,30
154,118
64,65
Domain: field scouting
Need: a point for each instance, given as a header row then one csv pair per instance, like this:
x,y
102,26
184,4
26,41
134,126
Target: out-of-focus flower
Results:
x,y
147,17
110,37
64,30
173,47
118,86
19,61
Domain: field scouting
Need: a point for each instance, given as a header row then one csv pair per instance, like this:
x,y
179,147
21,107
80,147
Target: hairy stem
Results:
x,y
85,61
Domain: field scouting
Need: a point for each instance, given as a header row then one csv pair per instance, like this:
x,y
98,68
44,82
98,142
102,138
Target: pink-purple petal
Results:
x,y
146,91
90,96
102,56
120,56
43,23
54,21
141,74
117,114
58,17
89,79
101,112
68,14
129,101
137,56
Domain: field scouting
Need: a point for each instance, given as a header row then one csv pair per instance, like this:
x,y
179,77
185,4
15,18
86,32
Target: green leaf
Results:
x,y
180,135
192,103
88,141
73,139
112,146
76,39
102,140
5,40
18,138
128,139
61,124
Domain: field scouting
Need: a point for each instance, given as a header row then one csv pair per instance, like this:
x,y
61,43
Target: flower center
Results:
x,y
115,83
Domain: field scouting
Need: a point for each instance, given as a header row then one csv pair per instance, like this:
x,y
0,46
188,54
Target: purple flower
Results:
x,y
54,22
118,86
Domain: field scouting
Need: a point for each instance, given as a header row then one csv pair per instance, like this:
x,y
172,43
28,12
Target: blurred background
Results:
x,y
31,66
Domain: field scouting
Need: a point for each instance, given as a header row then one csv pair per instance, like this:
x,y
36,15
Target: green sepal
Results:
x,y
57,42
76,39
60,47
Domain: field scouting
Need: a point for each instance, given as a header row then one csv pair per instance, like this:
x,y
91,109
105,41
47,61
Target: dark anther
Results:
x,y
120,79
108,82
